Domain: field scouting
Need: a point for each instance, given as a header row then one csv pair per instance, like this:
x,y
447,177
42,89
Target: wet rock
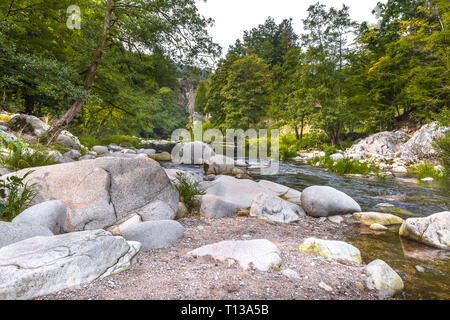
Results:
x,y
382,278
43,265
331,249
261,253
433,230
378,227
324,201
369,218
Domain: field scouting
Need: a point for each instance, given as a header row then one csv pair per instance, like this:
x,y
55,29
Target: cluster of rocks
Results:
x,y
390,151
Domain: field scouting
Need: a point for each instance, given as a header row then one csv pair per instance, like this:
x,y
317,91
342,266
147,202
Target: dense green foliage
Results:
x,y
339,78
15,196
19,156
188,190
44,63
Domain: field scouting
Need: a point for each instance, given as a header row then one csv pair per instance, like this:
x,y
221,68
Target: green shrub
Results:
x,y
90,141
288,147
15,196
19,156
125,141
348,166
426,170
188,189
329,150
443,150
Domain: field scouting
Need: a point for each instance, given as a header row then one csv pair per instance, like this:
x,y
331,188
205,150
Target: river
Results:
x,y
424,270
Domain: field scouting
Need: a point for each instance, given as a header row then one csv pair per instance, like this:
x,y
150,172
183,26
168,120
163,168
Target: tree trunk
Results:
x,y
302,127
62,123
297,135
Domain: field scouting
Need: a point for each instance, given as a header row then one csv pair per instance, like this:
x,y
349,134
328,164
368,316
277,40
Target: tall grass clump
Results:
x,y
426,170
348,166
15,196
19,156
188,190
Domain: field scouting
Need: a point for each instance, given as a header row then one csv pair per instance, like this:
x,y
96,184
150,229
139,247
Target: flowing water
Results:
x,y
424,270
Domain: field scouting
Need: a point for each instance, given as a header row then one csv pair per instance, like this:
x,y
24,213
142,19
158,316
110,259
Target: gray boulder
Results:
x,y
287,193
324,201
331,249
49,214
240,192
148,152
214,207
99,193
154,234
73,154
191,176
44,265
433,230
382,278
192,153
219,164
275,209
420,146
28,124
114,147
100,149
15,232
87,157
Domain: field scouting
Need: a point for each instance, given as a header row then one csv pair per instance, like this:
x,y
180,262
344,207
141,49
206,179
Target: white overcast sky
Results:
x,y
232,17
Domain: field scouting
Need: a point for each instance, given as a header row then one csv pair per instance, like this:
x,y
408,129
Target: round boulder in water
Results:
x,y
324,201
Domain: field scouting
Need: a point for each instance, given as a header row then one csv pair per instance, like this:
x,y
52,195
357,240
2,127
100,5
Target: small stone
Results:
x,y
325,287
359,285
420,268
290,274
378,227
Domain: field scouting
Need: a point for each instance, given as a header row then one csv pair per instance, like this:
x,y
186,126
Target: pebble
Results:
x,y
325,287
420,268
290,274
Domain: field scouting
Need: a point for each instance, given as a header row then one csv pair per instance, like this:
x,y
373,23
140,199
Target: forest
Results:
x,y
336,82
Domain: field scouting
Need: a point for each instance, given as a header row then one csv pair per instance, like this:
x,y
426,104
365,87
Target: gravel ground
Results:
x,y
168,274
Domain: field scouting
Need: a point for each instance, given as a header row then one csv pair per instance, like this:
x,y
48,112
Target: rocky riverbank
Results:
x,y
115,212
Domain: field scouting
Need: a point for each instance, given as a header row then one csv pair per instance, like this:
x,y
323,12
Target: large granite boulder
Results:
x,y
261,253
43,265
192,153
384,145
14,232
286,193
240,192
382,278
331,249
50,214
99,193
275,209
324,201
433,230
421,145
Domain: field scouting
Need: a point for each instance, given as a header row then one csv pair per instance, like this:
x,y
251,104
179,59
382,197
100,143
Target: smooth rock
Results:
x,y
336,219
218,164
154,234
164,156
275,209
192,153
73,154
99,193
100,149
433,230
14,232
214,207
378,227
240,192
286,193
262,253
191,176
290,274
369,218
382,278
148,152
331,249
49,214
324,201
44,265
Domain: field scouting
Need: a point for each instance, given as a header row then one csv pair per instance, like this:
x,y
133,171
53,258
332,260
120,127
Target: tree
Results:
x,y
239,93
173,26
